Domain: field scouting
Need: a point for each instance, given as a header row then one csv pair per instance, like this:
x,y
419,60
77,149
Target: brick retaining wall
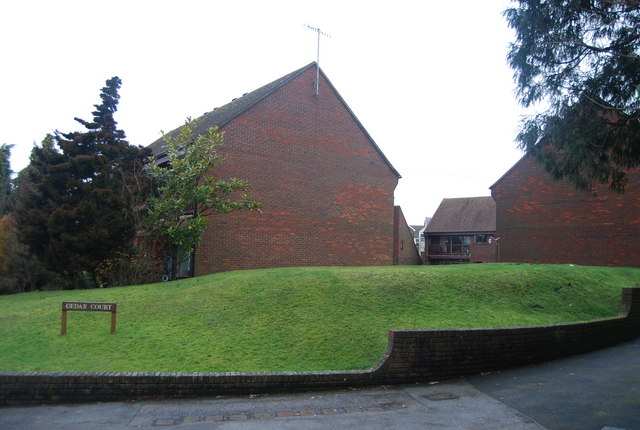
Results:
x,y
412,356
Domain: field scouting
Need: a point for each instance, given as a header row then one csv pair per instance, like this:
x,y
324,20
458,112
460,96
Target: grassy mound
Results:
x,y
296,319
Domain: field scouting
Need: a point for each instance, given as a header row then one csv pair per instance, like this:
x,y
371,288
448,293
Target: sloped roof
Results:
x,y
222,115
464,215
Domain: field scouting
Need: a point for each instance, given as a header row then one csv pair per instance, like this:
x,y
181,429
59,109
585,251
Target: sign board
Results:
x,y
88,306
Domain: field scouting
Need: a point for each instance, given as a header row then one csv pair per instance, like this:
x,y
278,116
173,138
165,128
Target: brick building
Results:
x,y
405,249
541,220
326,187
462,231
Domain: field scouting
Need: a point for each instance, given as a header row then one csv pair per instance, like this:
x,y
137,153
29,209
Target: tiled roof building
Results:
x,y
326,186
462,231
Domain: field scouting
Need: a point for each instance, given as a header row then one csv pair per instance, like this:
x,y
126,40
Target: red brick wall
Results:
x,y
327,192
539,220
405,251
482,252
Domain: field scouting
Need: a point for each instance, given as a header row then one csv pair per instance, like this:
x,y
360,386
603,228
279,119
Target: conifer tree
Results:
x,y
5,177
73,209
582,58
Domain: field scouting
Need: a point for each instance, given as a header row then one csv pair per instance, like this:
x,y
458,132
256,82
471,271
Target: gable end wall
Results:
x,y
539,220
327,191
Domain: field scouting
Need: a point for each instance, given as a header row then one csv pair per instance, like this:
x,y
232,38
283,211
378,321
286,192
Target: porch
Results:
x,y
449,247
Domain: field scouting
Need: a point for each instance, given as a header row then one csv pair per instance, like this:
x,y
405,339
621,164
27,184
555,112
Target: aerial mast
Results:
x,y
317,82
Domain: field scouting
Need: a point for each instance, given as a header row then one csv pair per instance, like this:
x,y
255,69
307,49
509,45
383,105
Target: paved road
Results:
x,y
593,391
586,392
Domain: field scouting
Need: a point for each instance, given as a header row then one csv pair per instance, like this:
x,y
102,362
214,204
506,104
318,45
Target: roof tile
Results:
x,y
464,215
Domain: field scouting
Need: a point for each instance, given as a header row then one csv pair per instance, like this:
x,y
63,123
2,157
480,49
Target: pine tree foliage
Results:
x,y
36,191
5,178
188,193
19,270
581,58
74,209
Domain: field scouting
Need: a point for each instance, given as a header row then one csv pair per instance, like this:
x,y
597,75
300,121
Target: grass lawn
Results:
x,y
295,319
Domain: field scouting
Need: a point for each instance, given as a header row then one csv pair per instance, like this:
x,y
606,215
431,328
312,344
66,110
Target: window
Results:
x,y
482,238
449,244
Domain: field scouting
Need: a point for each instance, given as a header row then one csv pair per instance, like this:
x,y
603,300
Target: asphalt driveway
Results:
x,y
592,391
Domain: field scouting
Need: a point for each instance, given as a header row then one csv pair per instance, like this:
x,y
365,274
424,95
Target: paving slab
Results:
x,y
458,406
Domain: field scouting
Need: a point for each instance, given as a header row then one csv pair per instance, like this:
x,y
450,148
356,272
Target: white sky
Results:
x,y
428,80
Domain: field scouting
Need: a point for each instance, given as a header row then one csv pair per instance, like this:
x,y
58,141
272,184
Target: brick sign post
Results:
x,y
88,306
